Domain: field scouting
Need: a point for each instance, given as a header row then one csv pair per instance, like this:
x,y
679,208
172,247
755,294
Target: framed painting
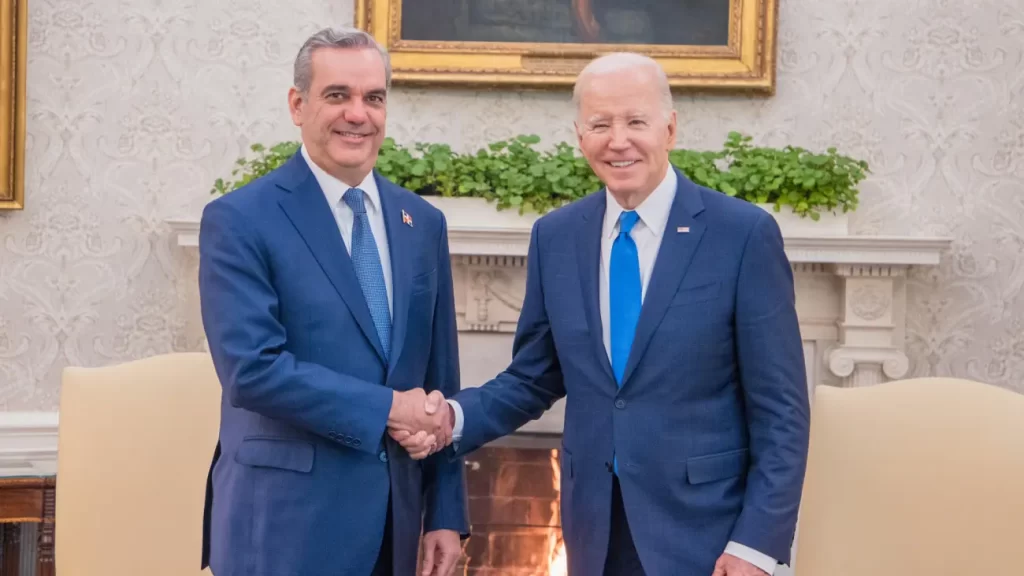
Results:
x,y
702,44
13,59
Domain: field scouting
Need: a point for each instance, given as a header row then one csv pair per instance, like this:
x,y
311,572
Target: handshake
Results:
x,y
421,423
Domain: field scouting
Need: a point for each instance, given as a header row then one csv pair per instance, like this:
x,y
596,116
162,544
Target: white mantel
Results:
x,y
851,296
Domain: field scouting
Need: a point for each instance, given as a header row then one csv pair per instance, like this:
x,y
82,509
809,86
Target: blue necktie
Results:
x,y
366,261
624,296
624,293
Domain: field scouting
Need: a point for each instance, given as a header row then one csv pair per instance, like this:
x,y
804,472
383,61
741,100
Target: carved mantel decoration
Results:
x,y
851,295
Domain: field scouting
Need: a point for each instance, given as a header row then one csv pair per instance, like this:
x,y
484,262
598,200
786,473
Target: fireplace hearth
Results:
x,y
513,488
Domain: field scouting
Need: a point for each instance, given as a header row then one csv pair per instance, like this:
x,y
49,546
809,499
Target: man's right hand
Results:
x,y
421,444
419,422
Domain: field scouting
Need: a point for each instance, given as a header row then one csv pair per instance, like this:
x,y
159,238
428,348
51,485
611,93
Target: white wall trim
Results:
x,y
28,443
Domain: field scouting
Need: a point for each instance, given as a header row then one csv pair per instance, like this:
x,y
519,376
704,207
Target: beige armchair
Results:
x,y
919,477
134,449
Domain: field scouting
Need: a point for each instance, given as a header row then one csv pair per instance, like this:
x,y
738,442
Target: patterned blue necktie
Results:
x,y
366,261
625,298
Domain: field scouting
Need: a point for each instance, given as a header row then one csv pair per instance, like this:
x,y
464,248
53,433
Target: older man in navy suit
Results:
x,y
664,313
328,305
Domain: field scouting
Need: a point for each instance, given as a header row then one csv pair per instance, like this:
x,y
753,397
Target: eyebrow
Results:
x,y
335,88
344,88
605,117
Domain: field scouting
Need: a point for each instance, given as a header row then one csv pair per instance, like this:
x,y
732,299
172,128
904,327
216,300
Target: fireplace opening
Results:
x,y
513,487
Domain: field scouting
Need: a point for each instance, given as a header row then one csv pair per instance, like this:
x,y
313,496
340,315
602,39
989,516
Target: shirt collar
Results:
x,y
335,189
653,211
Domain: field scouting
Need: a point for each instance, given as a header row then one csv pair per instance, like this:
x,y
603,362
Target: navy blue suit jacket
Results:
x,y
711,424
301,478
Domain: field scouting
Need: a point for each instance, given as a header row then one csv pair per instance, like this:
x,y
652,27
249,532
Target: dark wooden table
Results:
x,y
23,500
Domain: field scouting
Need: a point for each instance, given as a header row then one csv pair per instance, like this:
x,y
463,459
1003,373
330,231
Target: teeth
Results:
x,y
623,164
351,134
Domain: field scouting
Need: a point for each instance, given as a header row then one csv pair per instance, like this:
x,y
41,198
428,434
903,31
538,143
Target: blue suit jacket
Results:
x,y
301,478
711,424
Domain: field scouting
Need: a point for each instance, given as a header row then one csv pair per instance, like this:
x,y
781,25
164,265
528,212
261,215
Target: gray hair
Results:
x,y
617,62
337,37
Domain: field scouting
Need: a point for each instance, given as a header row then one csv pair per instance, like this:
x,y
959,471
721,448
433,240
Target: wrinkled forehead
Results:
x,y
603,107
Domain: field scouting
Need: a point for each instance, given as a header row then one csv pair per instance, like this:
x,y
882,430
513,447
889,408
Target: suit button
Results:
x,y
356,442
348,439
383,456
620,403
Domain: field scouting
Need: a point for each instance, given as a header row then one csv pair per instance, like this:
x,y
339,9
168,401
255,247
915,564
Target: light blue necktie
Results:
x,y
366,261
625,297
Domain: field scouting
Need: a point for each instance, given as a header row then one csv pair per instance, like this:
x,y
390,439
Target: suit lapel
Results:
x,y
400,237
309,212
588,258
670,266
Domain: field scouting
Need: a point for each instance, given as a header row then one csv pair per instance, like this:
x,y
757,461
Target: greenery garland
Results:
x,y
516,175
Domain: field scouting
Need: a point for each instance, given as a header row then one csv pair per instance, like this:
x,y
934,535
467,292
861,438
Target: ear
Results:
x,y
579,134
670,138
296,102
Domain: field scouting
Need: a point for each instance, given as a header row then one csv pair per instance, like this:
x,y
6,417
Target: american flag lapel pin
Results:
x,y
683,229
406,219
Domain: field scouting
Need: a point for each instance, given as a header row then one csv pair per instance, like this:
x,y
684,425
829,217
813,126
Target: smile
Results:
x,y
351,135
624,164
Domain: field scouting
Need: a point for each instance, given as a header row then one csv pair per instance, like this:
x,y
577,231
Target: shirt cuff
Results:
x,y
762,561
457,426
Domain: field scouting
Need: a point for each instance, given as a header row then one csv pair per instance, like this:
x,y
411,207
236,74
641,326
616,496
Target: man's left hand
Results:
x,y
441,550
729,565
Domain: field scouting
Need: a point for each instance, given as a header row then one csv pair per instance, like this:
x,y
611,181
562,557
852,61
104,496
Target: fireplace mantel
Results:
x,y
851,295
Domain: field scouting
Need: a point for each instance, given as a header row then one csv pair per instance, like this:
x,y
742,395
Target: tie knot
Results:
x,y
627,220
355,200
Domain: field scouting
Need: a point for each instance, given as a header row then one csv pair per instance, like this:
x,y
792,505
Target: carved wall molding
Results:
x,y
489,292
863,366
870,270
870,302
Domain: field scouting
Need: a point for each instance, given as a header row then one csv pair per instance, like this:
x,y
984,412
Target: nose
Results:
x,y
619,139
354,113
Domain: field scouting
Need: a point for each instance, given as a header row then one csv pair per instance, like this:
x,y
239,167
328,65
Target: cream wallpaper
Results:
x,y
136,106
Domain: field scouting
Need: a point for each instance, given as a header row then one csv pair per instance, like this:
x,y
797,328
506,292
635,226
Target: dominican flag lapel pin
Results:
x,y
406,219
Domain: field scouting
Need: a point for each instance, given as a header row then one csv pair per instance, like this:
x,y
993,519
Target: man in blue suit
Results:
x,y
664,313
328,306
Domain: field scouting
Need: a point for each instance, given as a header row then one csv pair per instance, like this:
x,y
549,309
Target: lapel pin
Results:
x,y
406,219
683,229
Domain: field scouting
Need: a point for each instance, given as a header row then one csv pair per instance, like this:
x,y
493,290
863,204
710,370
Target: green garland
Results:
x,y
516,175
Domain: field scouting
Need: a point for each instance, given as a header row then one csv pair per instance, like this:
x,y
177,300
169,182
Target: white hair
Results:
x,y
338,37
617,62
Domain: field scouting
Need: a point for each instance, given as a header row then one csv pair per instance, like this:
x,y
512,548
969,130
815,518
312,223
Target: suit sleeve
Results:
x,y
530,385
774,383
247,342
444,478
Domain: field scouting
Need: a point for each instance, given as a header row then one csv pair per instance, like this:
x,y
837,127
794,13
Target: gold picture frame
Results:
x,y
13,62
744,63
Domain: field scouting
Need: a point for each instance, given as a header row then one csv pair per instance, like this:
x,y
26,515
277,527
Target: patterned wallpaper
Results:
x,y
136,106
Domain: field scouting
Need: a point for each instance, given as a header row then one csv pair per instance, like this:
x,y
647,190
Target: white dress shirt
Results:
x,y
335,190
646,234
